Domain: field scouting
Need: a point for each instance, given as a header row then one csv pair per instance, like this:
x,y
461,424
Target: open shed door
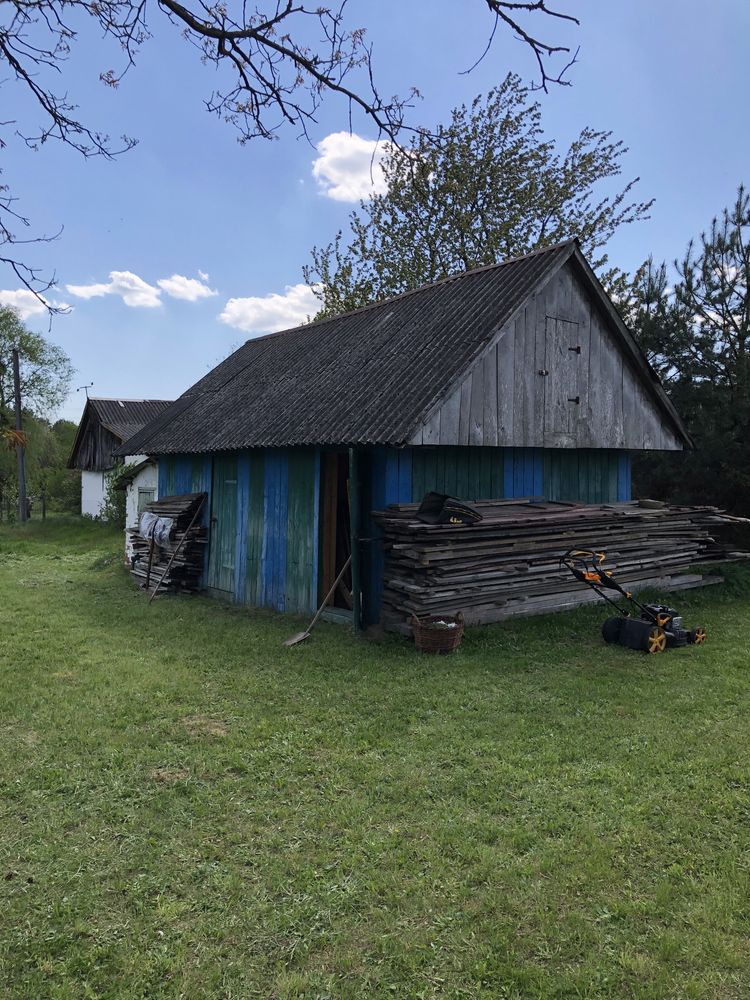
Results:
x,y
223,536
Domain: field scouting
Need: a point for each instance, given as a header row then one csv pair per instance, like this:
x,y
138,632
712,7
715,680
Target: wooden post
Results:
x,y
354,516
20,450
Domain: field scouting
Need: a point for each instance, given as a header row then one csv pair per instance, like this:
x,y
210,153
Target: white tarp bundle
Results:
x,y
160,529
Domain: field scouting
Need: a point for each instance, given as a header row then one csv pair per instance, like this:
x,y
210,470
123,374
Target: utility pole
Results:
x,y
20,449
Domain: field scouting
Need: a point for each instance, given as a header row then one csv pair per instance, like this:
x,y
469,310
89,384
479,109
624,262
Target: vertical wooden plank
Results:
x,y
538,475
505,349
404,475
163,477
489,413
417,472
476,412
520,367
274,530
243,500
548,490
431,429
169,488
450,416
301,554
497,473
485,473
529,377
223,536
316,535
509,476
391,476
624,476
613,475
440,466
254,528
464,419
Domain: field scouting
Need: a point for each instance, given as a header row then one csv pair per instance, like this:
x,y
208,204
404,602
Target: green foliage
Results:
x,y
486,187
192,810
697,336
45,375
47,451
45,369
114,503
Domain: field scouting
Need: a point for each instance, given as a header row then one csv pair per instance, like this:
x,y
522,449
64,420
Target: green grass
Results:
x,y
189,809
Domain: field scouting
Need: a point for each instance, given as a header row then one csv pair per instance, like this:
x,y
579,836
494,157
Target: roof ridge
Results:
x,y
124,399
456,276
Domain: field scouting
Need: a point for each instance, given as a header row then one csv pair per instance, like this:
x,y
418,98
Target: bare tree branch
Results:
x,y
283,59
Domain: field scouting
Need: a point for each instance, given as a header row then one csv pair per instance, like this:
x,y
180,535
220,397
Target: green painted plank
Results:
x,y
254,529
300,573
612,471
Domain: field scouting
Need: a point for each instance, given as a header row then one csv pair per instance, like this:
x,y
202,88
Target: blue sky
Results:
x,y
223,226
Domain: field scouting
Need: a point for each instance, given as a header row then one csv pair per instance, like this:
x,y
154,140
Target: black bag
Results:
x,y
439,508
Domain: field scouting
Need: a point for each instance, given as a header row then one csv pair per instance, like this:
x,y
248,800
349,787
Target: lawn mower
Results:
x,y
651,628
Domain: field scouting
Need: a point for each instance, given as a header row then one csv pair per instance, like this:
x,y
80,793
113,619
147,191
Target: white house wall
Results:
x,y
94,487
92,492
147,479
521,391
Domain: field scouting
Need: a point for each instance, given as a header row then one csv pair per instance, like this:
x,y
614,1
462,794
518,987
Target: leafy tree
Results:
x,y
487,186
45,374
45,369
697,335
276,61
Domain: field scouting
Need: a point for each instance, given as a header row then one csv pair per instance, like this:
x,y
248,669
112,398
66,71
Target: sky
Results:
x,y
178,251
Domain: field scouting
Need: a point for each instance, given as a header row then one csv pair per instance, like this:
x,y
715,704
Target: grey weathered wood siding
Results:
x,y
504,401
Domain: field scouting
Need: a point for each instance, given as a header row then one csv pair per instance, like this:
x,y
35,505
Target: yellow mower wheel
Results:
x,y
698,636
656,641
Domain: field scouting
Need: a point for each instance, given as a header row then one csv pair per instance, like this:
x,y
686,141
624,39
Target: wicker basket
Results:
x,y
429,638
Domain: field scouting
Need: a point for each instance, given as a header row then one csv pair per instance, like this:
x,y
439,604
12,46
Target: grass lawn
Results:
x,y
191,810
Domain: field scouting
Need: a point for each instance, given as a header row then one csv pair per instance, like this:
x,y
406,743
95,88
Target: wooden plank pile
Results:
x,y
509,562
188,541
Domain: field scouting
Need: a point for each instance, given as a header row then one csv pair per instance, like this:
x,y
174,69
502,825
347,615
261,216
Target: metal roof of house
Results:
x,y
125,417
122,418
365,377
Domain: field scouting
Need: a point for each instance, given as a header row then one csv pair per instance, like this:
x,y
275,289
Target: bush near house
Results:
x,y
192,810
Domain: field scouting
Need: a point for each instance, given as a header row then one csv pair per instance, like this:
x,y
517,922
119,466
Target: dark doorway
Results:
x,y
336,534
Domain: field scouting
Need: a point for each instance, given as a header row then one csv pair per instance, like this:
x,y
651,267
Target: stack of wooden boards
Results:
x,y
509,562
188,541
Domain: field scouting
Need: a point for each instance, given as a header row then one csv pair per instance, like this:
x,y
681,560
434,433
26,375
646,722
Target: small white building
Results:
x,y
104,426
140,481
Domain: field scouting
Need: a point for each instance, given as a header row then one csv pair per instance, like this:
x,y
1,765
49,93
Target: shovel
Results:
x,y
301,636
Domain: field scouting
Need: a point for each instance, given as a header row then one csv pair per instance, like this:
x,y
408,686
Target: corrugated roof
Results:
x,y
366,377
125,417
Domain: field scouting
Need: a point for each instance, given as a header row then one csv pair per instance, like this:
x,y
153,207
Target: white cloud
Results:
x,y
26,304
189,289
268,313
133,291
202,275
348,167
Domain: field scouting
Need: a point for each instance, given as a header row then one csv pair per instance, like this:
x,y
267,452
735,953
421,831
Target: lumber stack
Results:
x,y
188,541
509,562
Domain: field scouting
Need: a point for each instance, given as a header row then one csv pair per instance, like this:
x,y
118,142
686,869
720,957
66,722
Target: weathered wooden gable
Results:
x,y
558,374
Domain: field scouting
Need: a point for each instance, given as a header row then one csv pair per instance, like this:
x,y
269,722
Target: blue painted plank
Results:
x,y
624,476
275,498
404,476
243,500
391,476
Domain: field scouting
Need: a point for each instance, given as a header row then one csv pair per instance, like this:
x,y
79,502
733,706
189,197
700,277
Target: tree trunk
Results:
x,y
20,450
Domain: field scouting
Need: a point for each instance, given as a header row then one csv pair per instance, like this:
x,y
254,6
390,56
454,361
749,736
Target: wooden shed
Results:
x,y
517,379
105,425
